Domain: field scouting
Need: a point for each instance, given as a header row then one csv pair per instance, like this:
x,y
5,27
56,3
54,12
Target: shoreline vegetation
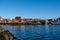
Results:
x,y
20,24
30,23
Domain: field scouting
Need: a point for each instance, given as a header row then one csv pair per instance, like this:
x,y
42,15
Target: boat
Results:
x,y
56,23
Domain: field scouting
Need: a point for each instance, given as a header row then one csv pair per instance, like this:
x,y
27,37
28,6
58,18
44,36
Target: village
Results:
x,y
19,20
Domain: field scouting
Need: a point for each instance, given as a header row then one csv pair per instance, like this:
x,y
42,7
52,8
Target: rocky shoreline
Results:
x,y
6,35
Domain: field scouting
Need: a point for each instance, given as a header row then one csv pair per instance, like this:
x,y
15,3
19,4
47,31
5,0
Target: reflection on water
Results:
x,y
35,32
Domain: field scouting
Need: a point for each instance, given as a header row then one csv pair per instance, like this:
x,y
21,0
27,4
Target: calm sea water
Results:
x,y
35,32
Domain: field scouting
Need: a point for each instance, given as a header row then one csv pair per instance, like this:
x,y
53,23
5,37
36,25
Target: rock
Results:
x,y
6,35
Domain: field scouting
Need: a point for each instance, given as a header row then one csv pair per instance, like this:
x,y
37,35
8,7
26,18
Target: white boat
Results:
x,y
56,23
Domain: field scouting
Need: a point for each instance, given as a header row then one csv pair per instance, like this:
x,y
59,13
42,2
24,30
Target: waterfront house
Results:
x,y
3,21
18,18
16,21
9,21
28,20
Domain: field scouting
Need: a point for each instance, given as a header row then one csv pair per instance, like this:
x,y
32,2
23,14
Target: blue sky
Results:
x,y
30,8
